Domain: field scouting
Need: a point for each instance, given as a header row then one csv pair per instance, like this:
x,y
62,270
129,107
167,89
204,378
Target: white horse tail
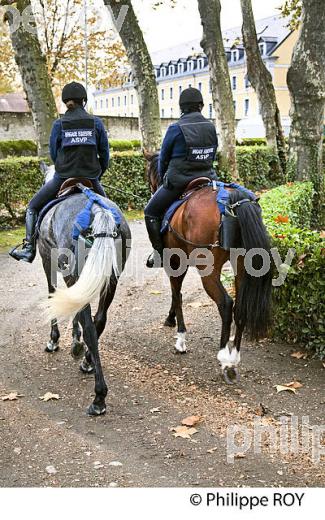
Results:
x,y
95,275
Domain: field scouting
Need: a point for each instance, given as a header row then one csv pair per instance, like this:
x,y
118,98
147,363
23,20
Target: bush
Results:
x,y
122,146
21,177
258,167
17,148
298,303
251,141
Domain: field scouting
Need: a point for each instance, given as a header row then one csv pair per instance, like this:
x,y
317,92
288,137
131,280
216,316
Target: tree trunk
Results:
x,y
143,75
261,80
212,44
33,70
306,82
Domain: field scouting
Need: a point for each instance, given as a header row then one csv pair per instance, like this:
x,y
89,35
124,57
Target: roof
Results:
x,y
273,28
14,102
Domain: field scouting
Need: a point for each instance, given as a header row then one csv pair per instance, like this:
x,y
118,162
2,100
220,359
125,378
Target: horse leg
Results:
x,y
98,406
100,319
177,308
105,301
53,343
239,326
227,358
77,347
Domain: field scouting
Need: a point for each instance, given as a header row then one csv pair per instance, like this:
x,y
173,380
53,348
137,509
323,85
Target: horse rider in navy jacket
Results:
x,y
79,148
188,152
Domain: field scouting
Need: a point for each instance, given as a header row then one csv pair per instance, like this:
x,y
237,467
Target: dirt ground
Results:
x,y
151,390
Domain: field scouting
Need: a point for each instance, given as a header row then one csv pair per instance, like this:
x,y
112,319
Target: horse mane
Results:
x,y
153,170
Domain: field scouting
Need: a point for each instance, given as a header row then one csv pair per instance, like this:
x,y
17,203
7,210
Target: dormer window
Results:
x,y
190,65
235,55
162,72
200,63
180,68
171,70
262,47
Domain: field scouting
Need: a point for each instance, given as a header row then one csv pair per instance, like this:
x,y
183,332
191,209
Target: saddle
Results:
x,y
70,186
196,184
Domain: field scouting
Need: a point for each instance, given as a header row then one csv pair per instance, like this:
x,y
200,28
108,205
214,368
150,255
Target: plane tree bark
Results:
x,y
33,70
306,82
212,44
261,80
143,74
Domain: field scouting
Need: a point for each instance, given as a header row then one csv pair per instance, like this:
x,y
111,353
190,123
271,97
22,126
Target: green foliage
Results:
x,y
251,141
298,303
292,8
122,146
20,177
17,148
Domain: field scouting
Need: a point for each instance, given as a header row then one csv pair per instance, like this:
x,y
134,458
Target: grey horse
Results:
x,y
95,276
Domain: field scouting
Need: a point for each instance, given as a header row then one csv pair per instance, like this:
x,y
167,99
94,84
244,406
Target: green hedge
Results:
x,y
299,303
252,141
17,148
122,146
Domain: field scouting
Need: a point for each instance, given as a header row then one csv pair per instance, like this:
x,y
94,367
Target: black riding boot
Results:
x,y
153,227
28,252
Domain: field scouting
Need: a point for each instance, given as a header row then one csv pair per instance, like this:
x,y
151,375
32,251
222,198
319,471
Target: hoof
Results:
x,y
52,347
86,368
94,410
231,375
170,322
77,349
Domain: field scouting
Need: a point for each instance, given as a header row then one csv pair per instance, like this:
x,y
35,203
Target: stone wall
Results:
x,y
16,125
19,125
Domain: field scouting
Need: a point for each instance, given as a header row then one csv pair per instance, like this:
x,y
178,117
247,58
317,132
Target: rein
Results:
x,y
128,193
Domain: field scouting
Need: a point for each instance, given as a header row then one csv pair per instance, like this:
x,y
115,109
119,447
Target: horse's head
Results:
x,y
152,170
47,171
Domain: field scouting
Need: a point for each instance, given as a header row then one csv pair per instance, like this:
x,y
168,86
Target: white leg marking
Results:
x,y
228,358
181,342
233,332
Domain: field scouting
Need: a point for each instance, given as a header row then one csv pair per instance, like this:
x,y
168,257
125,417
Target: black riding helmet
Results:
x,y
74,90
191,96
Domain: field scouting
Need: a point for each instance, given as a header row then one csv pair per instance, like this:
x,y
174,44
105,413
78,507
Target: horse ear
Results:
x,y
148,155
43,167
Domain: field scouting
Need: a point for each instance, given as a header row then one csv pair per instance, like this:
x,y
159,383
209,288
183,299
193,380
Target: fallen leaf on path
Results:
x,y
155,410
195,305
240,456
155,292
294,384
184,432
51,470
282,388
115,463
212,450
192,420
12,396
49,396
299,355
17,451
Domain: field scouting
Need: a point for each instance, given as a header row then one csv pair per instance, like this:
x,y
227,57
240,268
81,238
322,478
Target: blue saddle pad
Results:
x,y
222,198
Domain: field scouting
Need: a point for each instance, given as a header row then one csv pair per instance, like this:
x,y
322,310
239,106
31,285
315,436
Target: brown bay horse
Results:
x,y
194,234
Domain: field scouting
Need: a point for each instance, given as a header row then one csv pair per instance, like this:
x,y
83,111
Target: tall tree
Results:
x,y
306,82
213,47
9,75
32,66
261,80
143,74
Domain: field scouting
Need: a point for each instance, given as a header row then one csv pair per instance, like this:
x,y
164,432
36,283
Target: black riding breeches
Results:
x,y
160,202
49,191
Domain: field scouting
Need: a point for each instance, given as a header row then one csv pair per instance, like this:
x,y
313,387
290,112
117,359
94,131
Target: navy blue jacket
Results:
x,y
101,137
173,146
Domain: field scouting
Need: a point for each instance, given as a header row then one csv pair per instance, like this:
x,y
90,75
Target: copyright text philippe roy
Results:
x,y
248,502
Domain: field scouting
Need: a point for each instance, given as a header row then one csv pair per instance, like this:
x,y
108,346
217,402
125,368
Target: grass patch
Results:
x,y
11,238
134,214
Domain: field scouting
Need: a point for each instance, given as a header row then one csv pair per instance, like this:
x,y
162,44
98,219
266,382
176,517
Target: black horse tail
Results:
x,y
253,302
